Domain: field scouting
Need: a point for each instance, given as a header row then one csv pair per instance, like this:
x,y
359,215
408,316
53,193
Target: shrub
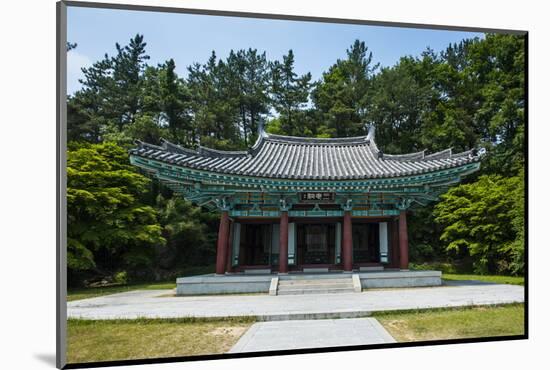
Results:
x,y
483,218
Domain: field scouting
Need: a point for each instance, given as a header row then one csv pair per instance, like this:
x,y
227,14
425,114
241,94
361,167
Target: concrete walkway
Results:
x,y
163,304
299,334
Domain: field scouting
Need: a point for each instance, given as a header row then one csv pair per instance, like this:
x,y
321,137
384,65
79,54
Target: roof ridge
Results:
x,y
143,144
221,153
406,156
201,150
442,154
176,148
318,140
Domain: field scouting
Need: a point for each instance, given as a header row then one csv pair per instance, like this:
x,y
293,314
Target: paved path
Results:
x,y
299,334
157,303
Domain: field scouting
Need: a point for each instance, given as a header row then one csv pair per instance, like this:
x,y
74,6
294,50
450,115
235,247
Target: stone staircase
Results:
x,y
309,285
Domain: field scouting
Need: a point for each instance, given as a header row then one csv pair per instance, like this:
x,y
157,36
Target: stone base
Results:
x,y
309,270
257,271
371,268
263,283
400,279
225,284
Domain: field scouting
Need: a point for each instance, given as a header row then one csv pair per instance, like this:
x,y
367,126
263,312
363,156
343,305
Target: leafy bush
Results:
x,y
485,219
121,278
108,226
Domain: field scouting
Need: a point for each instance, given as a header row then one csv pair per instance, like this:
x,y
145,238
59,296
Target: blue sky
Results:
x,y
191,38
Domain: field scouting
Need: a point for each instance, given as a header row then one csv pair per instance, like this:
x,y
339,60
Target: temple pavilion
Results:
x,y
304,204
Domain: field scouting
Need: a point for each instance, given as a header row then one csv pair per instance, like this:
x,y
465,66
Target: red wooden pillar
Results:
x,y
223,238
283,243
403,241
347,243
229,258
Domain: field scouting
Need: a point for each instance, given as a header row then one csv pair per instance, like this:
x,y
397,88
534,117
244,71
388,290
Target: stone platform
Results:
x,y
263,307
268,283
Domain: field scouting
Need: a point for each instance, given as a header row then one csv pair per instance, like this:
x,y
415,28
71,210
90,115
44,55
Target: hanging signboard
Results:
x,y
317,197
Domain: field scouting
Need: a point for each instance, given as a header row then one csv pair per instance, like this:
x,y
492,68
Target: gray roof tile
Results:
x,y
278,156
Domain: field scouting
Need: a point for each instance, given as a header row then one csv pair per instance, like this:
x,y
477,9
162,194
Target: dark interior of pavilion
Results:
x,y
316,244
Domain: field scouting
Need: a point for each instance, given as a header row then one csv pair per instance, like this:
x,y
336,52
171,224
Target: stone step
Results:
x,y
315,282
315,291
316,286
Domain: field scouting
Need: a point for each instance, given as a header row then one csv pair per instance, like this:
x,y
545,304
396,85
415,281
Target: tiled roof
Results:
x,y
277,156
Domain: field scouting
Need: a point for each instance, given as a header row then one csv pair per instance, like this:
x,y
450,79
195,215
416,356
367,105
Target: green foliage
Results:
x,y
477,219
108,226
79,258
247,72
401,102
290,93
424,233
216,108
121,277
110,94
343,93
516,248
167,105
190,232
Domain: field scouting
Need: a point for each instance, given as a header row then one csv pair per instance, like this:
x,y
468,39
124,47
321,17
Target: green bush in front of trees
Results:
x,y
483,218
109,227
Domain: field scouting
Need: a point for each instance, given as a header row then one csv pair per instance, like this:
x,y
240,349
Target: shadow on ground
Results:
x,y
47,358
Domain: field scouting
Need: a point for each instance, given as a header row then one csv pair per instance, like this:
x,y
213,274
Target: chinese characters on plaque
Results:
x,y
317,197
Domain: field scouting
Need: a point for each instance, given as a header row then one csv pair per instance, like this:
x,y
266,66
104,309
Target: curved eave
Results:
x,y
182,174
311,159
231,166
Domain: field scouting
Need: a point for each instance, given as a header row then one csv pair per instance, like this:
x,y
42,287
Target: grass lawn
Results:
x,y
452,272
516,280
105,340
82,293
470,322
74,294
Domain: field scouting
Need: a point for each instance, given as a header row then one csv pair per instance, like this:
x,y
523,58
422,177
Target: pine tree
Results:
x,y
343,93
128,67
290,93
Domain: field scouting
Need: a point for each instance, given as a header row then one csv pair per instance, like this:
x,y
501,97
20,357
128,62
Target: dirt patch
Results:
x,y
235,331
395,324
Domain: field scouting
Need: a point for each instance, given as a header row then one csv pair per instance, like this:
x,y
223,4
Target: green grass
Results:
x,y
83,293
445,267
458,272
107,340
515,280
470,322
